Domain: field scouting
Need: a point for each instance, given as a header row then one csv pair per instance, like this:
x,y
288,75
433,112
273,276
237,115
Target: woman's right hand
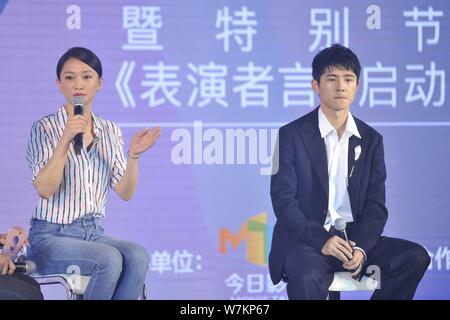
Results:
x,y
6,265
75,124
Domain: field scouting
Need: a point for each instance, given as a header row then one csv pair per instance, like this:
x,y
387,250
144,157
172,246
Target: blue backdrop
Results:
x,y
220,77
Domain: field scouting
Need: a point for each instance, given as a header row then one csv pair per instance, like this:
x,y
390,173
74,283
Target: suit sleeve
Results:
x,y
372,219
283,190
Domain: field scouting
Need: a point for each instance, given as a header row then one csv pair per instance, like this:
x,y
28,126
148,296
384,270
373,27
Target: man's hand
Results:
x,y
356,263
339,248
6,265
3,240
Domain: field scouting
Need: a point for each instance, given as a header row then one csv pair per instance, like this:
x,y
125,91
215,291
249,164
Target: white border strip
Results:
x,y
266,124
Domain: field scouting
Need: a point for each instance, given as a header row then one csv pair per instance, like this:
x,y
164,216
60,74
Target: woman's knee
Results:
x,y
137,255
110,259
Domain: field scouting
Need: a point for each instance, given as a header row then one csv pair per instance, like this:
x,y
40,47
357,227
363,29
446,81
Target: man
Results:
x,y
15,286
331,166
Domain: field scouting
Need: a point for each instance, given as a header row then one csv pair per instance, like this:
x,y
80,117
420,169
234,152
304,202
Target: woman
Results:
x,y
66,231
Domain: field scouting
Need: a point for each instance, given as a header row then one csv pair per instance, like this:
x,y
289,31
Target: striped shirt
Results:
x,y
84,186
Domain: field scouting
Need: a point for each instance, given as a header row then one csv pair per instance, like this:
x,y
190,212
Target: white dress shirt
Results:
x,y
337,159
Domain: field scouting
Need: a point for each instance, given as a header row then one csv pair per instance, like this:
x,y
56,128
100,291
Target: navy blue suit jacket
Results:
x,y
299,190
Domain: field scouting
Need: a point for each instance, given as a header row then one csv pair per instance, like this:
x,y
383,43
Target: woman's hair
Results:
x,y
82,54
336,56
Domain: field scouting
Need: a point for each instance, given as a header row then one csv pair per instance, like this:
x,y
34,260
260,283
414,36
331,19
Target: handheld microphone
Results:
x,y
26,267
340,225
78,108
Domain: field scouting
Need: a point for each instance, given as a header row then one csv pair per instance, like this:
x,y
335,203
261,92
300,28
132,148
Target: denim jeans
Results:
x,y
117,267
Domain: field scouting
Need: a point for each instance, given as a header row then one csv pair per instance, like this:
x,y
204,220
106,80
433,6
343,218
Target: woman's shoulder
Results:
x,y
51,118
109,125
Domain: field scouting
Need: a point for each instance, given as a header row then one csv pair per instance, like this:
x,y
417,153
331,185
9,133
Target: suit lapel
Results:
x,y
315,146
357,166
352,143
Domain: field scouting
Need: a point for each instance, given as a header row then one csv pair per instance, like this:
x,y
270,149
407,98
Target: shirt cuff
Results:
x,y
364,253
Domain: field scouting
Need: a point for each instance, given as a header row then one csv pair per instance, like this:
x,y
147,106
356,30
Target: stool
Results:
x,y
343,281
74,284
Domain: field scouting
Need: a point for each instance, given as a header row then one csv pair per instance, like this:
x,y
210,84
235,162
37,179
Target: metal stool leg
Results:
x,y
144,292
334,295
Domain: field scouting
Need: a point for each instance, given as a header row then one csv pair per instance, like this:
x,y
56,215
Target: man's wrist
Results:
x,y
361,249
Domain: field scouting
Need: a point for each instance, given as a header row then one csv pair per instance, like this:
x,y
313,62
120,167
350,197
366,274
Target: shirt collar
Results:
x,y
326,128
351,126
97,125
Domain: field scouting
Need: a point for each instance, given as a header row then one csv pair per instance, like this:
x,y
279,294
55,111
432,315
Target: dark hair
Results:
x,y
335,56
82,54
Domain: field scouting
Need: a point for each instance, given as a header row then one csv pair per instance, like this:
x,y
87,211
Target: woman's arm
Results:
x,y
49,178
128,184
141,142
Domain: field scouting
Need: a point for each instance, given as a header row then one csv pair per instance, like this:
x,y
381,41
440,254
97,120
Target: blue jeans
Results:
x,y
117,267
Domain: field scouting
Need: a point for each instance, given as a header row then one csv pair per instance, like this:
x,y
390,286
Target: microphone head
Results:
x,y
78,105
30,267
340,224
78,101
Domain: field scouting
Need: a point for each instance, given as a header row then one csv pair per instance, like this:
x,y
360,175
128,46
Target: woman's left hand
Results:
x,y
143,140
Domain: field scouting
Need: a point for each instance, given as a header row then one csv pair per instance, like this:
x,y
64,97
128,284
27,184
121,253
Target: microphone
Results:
x,y
340,225
78,108
26,267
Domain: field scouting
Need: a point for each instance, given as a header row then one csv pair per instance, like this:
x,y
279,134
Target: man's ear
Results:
x,y
315,86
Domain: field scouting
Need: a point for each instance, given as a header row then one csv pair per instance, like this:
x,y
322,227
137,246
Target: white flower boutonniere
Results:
x,y
357,155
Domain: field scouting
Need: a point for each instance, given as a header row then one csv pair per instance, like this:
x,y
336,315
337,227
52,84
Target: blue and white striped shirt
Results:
x,y
84,186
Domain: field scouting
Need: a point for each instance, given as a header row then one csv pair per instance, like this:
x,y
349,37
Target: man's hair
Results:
x,y
82,54
336,56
